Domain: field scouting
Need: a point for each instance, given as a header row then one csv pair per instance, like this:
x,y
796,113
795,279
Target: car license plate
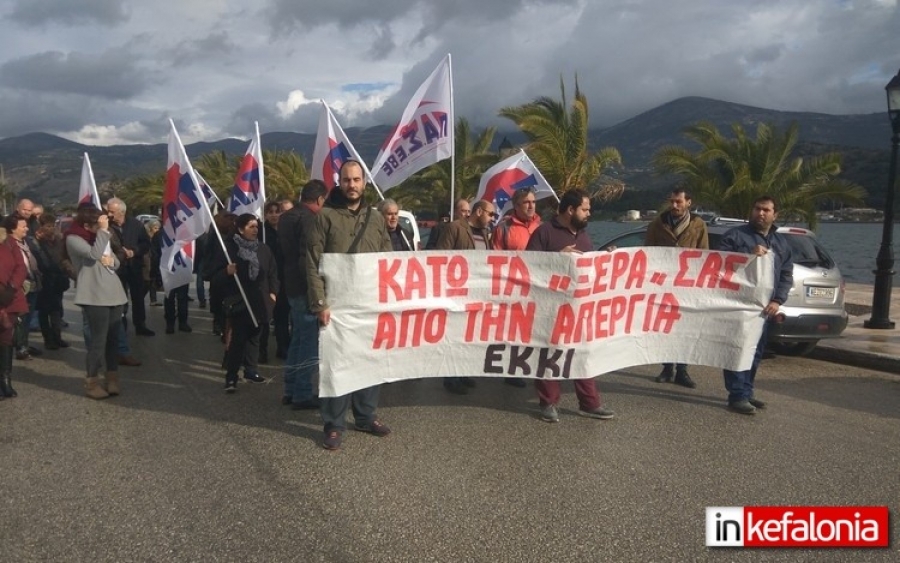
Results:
x,y
820,292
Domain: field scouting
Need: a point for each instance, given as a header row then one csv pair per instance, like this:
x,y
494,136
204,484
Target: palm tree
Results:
x,y
430,188
285,174
558,142
144,192
218,170
727,174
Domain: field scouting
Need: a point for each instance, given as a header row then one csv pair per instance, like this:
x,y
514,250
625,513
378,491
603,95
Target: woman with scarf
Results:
x,y
254,266
99,293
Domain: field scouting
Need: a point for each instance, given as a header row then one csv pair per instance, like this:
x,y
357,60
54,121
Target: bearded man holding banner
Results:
x,y
345,225
677,227
566,233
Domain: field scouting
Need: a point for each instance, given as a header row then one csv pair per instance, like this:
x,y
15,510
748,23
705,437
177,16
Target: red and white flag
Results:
x,y
249,192
502,180
424,135
332,150
185,215
87,190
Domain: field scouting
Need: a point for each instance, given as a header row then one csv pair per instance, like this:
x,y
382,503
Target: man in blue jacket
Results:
x,y
759,237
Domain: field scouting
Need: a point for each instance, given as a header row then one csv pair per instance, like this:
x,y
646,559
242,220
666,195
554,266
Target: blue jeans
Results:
x,y
739,384
302,362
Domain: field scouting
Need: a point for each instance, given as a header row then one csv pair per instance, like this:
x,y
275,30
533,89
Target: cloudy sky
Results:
x,y
112,71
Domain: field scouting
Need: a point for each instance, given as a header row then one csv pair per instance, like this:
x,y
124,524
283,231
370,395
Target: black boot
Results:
x,y
666,375
682,378
6,387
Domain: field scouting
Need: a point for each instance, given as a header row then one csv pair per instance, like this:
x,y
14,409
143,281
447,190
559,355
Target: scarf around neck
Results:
x,y
249,250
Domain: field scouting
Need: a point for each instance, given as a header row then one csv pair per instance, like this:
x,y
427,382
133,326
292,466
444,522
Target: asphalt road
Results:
x,y
175,470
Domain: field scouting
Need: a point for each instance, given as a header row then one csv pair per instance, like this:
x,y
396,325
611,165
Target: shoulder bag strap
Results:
x,y
361,232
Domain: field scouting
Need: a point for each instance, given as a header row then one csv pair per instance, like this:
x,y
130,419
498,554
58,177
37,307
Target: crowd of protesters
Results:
x,y
264,272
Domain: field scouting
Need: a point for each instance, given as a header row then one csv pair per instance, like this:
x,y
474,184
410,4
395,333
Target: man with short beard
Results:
x,y
345,225
677,227
566,233
759,237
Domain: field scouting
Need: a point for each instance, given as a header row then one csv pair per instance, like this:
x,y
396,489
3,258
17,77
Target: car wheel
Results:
x,y
793,348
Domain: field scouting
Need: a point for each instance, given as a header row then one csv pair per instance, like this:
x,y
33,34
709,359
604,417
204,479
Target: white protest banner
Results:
x,y
536,314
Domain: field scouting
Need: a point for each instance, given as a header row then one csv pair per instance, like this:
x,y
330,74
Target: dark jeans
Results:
x,y
302,364
136,289
105,324
739,384
23,328
281,315
179,297
363,402
677,367
243,349
50,311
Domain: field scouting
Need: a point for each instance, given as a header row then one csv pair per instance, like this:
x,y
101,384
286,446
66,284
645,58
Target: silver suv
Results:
x,y
815,305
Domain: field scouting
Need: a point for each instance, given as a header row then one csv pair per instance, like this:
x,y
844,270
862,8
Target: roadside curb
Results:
x,y
856,358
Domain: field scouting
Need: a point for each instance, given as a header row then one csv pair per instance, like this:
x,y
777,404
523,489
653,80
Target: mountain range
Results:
x,y
47,168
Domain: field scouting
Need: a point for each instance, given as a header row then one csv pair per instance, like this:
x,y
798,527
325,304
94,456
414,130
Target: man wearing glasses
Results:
x,y
467,233
513,233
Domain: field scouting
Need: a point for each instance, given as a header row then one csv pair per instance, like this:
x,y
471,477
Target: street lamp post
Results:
x,y
884,262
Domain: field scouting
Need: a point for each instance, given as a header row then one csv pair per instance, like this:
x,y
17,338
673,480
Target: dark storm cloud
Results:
x,y
69,12
112,75
289,15
214,45
26,113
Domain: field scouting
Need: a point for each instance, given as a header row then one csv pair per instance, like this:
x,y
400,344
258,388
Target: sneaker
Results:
x,y
742,407
332,440
23,355
35,351
682,378
51,345
184,327
62,343
254,377
600,412
757,403
665,375
231,386
143,331
376,427
203,304
549,414
170,329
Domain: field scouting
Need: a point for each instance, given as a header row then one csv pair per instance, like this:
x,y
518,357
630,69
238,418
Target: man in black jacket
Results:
x,y
303,352
135,245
